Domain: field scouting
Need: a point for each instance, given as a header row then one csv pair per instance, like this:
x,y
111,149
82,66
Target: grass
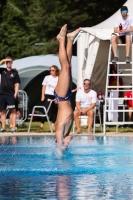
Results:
x,y
35,128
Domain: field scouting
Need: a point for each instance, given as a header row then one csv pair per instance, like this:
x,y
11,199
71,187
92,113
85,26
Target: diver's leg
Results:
x,y
64,77
70,38
65,54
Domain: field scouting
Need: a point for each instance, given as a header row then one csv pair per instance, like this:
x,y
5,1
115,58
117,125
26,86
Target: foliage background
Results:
x,y
24,23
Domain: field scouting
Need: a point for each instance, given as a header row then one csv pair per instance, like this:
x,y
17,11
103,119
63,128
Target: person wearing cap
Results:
x,y
85,102
8,92
122,33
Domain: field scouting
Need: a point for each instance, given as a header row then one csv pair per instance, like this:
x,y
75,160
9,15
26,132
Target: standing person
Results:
x,y
85,103
122,33
8,92
48,85
63,89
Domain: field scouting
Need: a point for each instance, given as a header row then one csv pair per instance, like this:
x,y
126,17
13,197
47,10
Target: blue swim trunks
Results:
x,y
59,99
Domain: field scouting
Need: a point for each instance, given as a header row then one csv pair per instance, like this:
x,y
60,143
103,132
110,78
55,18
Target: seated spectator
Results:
x,y
85,102
122,33
129,94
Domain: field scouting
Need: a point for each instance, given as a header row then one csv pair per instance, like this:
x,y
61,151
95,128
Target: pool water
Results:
x,y
91,168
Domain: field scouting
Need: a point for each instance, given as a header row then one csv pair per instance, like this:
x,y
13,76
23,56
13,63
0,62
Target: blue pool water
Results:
x,y
91,168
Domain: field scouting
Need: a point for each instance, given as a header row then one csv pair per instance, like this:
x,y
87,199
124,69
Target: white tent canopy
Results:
x,y
30,67
93,48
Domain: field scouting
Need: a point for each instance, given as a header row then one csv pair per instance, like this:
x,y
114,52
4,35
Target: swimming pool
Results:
x,y
92,168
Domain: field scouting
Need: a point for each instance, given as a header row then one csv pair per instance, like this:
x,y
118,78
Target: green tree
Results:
x,y
27,22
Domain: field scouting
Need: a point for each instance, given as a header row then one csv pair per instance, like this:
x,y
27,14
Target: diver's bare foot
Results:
x,y
73,34
62,32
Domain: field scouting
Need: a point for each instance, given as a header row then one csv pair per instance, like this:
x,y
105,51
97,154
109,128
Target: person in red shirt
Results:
x,y
129,94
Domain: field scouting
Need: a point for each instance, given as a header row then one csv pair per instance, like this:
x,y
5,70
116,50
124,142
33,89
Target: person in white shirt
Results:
x,y
85,102
48,85
122,33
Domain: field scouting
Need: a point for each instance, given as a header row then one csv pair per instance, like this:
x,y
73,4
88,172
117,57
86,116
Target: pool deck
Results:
x,y
72,134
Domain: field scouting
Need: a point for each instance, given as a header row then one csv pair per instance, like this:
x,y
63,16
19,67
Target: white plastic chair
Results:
x,y
96,111
40,115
